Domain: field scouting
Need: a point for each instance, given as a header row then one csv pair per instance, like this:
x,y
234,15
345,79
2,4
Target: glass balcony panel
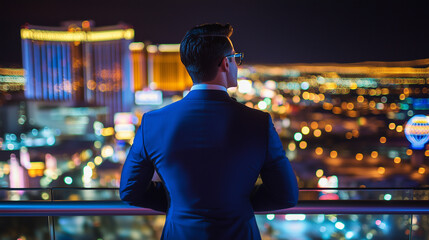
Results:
x,y
89,194
272,226
357,194
103,227
28,228
421,194
25,194
420,223
109,227
420,229
333,226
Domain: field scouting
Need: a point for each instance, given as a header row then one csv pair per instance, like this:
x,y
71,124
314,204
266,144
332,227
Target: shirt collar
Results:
x,y
205,86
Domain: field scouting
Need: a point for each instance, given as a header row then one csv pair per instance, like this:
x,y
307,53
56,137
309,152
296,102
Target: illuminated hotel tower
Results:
x,y
79,64
165,70
139,66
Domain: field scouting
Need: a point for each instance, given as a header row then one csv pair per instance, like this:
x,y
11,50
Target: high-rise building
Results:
x,y
11,79
12,109
165,70
139,65
79,64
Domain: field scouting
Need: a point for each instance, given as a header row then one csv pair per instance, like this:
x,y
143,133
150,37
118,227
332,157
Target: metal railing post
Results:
x,y
410,236
51,220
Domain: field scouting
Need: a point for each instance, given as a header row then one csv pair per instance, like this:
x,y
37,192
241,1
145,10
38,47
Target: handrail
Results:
x,y
99,208
301,189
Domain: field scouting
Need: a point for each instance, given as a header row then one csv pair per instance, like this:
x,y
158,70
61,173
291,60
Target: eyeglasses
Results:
x,y
238,58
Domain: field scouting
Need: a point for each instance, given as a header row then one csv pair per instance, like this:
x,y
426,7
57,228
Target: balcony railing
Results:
x,y
382,213
118,208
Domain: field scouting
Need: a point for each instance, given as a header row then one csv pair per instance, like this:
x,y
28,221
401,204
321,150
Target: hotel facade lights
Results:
x,y
79,64
11,79
139,65
165,70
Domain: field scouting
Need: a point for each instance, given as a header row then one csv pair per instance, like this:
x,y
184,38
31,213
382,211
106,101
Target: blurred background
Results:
x,y
346,83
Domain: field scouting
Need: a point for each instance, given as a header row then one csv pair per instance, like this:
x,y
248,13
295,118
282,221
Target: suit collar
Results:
x,y
214,95
205,86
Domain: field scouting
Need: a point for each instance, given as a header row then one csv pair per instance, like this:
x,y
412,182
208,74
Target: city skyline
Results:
x,y
273,32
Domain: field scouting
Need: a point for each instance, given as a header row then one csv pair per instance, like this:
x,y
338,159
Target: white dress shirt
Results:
x,y
204,86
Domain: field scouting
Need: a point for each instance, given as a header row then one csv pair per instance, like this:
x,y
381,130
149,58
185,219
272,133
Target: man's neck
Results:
x,y
216,81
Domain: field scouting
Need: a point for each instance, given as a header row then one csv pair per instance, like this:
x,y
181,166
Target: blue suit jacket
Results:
x,y
208,150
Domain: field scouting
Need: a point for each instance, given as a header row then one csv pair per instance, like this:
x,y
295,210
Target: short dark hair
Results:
x,y
203,48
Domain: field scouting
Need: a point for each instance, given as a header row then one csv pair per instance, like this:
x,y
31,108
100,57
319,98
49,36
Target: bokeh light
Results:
x,y
319,151
359,156
319,173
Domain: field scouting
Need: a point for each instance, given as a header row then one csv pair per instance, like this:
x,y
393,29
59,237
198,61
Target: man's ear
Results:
x,y
225,65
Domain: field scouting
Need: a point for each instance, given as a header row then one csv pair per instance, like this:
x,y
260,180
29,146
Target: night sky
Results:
x,y
266,31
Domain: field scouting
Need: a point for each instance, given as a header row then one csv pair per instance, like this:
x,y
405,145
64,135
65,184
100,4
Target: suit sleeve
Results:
x,y
279,188
137,187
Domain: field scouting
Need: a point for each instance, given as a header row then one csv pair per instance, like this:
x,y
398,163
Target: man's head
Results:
x,y
203,51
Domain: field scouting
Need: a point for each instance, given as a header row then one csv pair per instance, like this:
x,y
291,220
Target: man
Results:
x,y
208,150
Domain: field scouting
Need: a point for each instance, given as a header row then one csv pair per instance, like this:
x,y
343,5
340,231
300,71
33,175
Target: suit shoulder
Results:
x,y
164,109
252,111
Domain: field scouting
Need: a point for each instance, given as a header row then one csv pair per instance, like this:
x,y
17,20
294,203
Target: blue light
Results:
x,y
349,235
387,197
68,180
26,56
297,136
267,100
404,106
50,140
292,86
51,69
37,73
69,71
305,85
421,104
320,80
12,137
59,78
270,216
339,225
44,82
262,105
54,78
